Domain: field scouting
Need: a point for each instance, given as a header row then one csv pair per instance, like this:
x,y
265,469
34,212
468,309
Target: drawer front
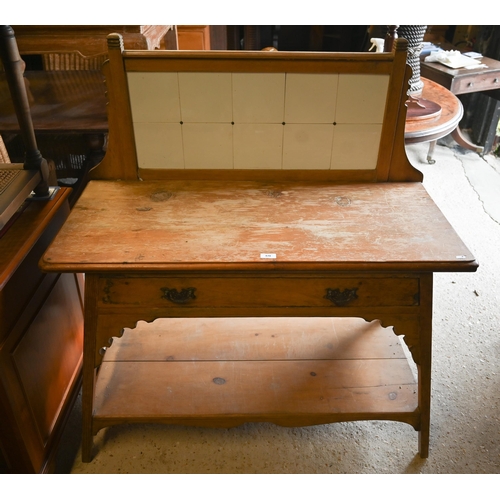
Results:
x,y
258,292
488,81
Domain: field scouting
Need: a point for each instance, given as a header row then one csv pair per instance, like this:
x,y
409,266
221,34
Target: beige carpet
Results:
x,y
465,419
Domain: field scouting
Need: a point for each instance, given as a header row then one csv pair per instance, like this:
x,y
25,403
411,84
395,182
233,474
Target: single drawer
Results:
x,y
488,81
259,292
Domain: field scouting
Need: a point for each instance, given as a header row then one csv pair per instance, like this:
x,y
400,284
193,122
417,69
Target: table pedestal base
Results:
x,y
422,109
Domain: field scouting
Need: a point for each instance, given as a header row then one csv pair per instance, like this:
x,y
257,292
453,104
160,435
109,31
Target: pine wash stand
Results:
x,y
256,241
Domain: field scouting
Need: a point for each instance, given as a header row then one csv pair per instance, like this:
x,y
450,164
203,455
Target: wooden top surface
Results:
x,y
217,226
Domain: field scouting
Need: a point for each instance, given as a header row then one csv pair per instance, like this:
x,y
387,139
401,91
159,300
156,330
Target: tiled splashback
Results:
x,y
257,120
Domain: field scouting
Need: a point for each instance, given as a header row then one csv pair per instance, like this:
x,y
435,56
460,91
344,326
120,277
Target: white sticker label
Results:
x,y
267,255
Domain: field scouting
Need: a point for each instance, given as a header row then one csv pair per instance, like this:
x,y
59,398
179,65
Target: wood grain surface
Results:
x,y
135,226
284,370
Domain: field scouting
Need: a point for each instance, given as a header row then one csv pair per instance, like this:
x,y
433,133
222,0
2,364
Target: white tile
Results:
x,y
159,145
208,145
154,97
310,98
355,146
259,97
361,98
205,97
258,146
307,146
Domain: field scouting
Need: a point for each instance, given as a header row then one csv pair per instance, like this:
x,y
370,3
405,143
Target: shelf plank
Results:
x,y
270,389
296,371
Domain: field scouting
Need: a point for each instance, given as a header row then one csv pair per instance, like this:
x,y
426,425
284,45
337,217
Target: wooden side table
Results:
x,y
466,81
277,241
432,129
462,80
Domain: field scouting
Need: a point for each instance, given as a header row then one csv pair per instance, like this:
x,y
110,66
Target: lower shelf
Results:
x,y
223,372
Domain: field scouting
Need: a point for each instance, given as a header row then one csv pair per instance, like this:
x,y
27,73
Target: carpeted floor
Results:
x,y
465,418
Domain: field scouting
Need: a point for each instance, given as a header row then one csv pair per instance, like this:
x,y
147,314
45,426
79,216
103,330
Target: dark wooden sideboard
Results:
x,y
91,39
463,81
41,336
68,110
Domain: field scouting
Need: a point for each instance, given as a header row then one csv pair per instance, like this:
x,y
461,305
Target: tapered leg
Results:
x,y
424,368
89,365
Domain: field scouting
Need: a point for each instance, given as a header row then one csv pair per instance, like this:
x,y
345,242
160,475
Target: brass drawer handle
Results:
x,y
182,297
341,298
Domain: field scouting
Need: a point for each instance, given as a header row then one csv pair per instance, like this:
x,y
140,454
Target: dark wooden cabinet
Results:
x,y
41,338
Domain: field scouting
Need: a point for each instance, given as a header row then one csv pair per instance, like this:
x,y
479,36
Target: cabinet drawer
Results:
x,y
258,292
489,81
